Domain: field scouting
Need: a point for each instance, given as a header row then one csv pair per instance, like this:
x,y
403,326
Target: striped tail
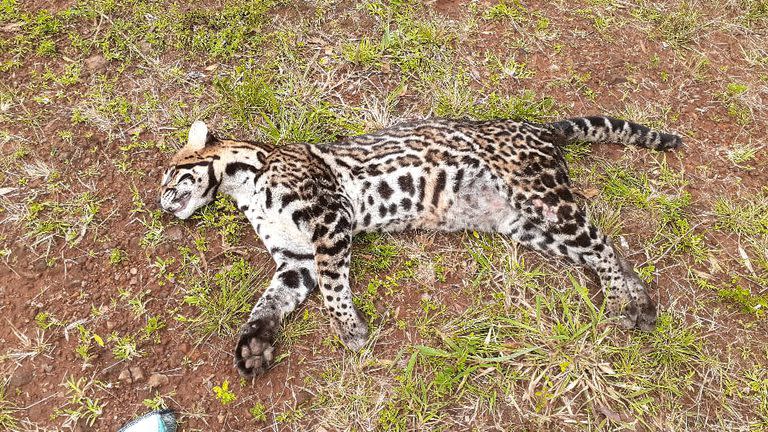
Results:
x,y
611,130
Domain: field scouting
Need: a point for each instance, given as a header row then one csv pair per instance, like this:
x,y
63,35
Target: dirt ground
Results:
x,y
112,308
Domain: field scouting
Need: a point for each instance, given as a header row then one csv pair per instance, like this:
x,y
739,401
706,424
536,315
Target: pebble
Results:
x,y
136,373
157,380
303,396
134,270
95,62
195,75
175,233
20,378
125,375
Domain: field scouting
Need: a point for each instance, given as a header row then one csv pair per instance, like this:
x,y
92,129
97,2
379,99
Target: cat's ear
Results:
x,y
198,135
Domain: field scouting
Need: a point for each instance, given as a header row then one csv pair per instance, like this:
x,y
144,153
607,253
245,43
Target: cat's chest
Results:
x,y
279,234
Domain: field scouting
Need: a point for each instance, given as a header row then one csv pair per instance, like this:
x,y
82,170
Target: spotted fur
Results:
x,y
307,201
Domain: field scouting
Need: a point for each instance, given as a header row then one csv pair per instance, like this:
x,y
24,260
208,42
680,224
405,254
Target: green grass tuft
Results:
x,y
221,301
746,216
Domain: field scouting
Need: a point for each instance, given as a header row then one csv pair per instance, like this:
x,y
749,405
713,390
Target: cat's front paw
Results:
x,y
646,313
353,331
355,339
255,348
639,314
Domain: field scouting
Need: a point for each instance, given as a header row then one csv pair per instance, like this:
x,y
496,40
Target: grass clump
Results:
x,y
746,217
506,10
222,300
7,410
284,108
674,232
740,154
754,304
678,27
755,12
455,98
80,408
296,327
224,217
224,33
374,252
365,52
410,42
553,352
735,97
69,220
622,186
375,260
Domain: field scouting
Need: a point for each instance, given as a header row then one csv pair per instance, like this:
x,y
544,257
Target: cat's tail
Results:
x,y
610,130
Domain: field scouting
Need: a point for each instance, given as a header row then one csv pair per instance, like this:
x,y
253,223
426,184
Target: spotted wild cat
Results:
x,y
307,201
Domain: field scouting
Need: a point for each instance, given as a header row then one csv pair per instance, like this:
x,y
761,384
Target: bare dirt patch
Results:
x,y
112,308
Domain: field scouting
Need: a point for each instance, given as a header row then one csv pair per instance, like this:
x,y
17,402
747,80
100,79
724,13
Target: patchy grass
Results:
x,y
221,301
7,419
469,331
747,216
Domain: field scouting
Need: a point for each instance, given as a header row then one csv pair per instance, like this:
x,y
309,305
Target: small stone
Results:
x,y
174,233
157,380
125,375
12,27
136,373
220,418
303,396
590,193
110,325
95,63
20,378
134,270
133,281
195,75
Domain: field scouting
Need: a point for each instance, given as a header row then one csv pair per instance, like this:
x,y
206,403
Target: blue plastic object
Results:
x,y
156,421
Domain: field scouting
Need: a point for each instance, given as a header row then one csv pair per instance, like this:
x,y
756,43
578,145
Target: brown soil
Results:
x,y
82,285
